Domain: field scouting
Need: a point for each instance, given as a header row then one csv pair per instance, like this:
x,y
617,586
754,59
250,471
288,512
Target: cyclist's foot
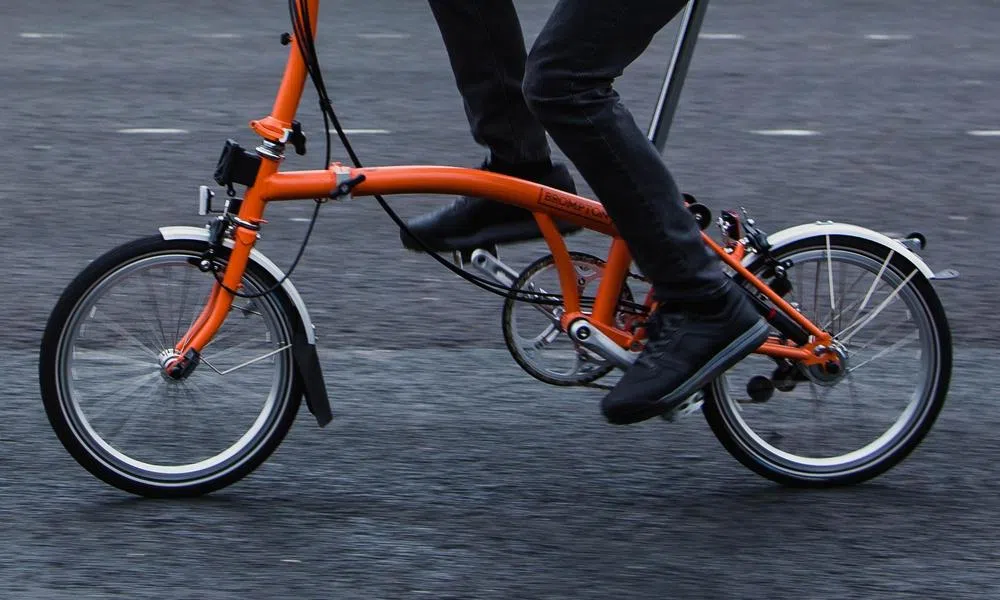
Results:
x,y
470,223
685,350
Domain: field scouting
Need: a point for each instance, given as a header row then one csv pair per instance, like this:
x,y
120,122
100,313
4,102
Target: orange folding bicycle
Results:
x,y
175,364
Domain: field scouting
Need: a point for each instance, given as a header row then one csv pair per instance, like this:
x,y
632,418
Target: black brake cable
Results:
x,y
319,201
303,38
303,34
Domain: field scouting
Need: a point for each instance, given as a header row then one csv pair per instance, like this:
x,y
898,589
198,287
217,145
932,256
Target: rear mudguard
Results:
x,y
307,364
821,228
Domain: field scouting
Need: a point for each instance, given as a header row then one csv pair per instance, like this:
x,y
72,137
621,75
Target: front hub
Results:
x,y
174,367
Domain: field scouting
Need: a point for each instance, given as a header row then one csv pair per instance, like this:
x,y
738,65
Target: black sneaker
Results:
x,y
470,223
685,350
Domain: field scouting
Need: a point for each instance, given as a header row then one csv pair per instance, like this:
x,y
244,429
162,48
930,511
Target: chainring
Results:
x,y
533,333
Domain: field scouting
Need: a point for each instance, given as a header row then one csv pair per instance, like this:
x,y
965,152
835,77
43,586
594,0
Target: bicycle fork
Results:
x,y
244,231
220,301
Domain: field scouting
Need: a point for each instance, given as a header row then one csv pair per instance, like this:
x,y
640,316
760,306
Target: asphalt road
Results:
x,y
448,473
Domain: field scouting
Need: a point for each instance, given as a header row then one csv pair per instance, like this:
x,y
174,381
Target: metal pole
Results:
x,y
670,94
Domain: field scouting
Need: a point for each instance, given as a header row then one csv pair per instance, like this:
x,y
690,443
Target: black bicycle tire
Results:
x,y
720,427
61,315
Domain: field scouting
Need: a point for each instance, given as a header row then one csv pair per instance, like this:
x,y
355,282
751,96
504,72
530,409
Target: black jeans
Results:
x,y
564,86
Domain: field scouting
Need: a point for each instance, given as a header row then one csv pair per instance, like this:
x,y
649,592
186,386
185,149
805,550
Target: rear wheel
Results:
x,y
110,404
808,427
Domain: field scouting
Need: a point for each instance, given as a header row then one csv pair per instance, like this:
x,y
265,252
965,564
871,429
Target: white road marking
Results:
x,y
218,36
383,36
300,219
888,36
985,132
154,130
721,36
135,554
788,132
290,560
958,217
363,132
972,82
43,36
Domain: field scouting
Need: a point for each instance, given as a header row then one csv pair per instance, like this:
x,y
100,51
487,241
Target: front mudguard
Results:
x,y
307,366
311,374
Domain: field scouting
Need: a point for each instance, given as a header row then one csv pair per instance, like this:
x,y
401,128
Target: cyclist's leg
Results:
x,y
705,324
584,46
486,48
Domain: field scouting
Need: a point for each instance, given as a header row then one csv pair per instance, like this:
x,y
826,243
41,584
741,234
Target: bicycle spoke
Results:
x,y
857,326
122,393
815,309
843,309
829,270
152,288
133,407
843,295
880,334
909,338
220,353
97,316
128,298
116,358
875,283
247,310
182,303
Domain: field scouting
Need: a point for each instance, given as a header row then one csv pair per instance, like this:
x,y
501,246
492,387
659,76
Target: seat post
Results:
x,y
673,81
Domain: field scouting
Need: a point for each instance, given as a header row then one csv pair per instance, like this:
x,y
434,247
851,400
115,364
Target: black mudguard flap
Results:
x,y
307,363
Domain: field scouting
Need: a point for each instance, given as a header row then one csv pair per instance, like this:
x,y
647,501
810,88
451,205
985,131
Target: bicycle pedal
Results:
x,y
690,405
461,257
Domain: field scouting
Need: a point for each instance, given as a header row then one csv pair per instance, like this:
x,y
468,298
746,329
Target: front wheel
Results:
x,y
809,427
117,414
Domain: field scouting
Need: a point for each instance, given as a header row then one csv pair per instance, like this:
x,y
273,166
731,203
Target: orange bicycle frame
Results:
x,y
544,202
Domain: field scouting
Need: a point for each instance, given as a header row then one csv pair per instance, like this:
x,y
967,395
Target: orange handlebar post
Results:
x,y
286,104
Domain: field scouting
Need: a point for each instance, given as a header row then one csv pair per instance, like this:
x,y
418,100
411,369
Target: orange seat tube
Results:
x,y
564,266
610,288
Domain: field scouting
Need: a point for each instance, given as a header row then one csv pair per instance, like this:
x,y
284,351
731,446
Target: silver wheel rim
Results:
x,y
125,333
881,327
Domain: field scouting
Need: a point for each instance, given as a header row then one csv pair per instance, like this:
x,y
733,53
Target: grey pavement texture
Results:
x,y
449,473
